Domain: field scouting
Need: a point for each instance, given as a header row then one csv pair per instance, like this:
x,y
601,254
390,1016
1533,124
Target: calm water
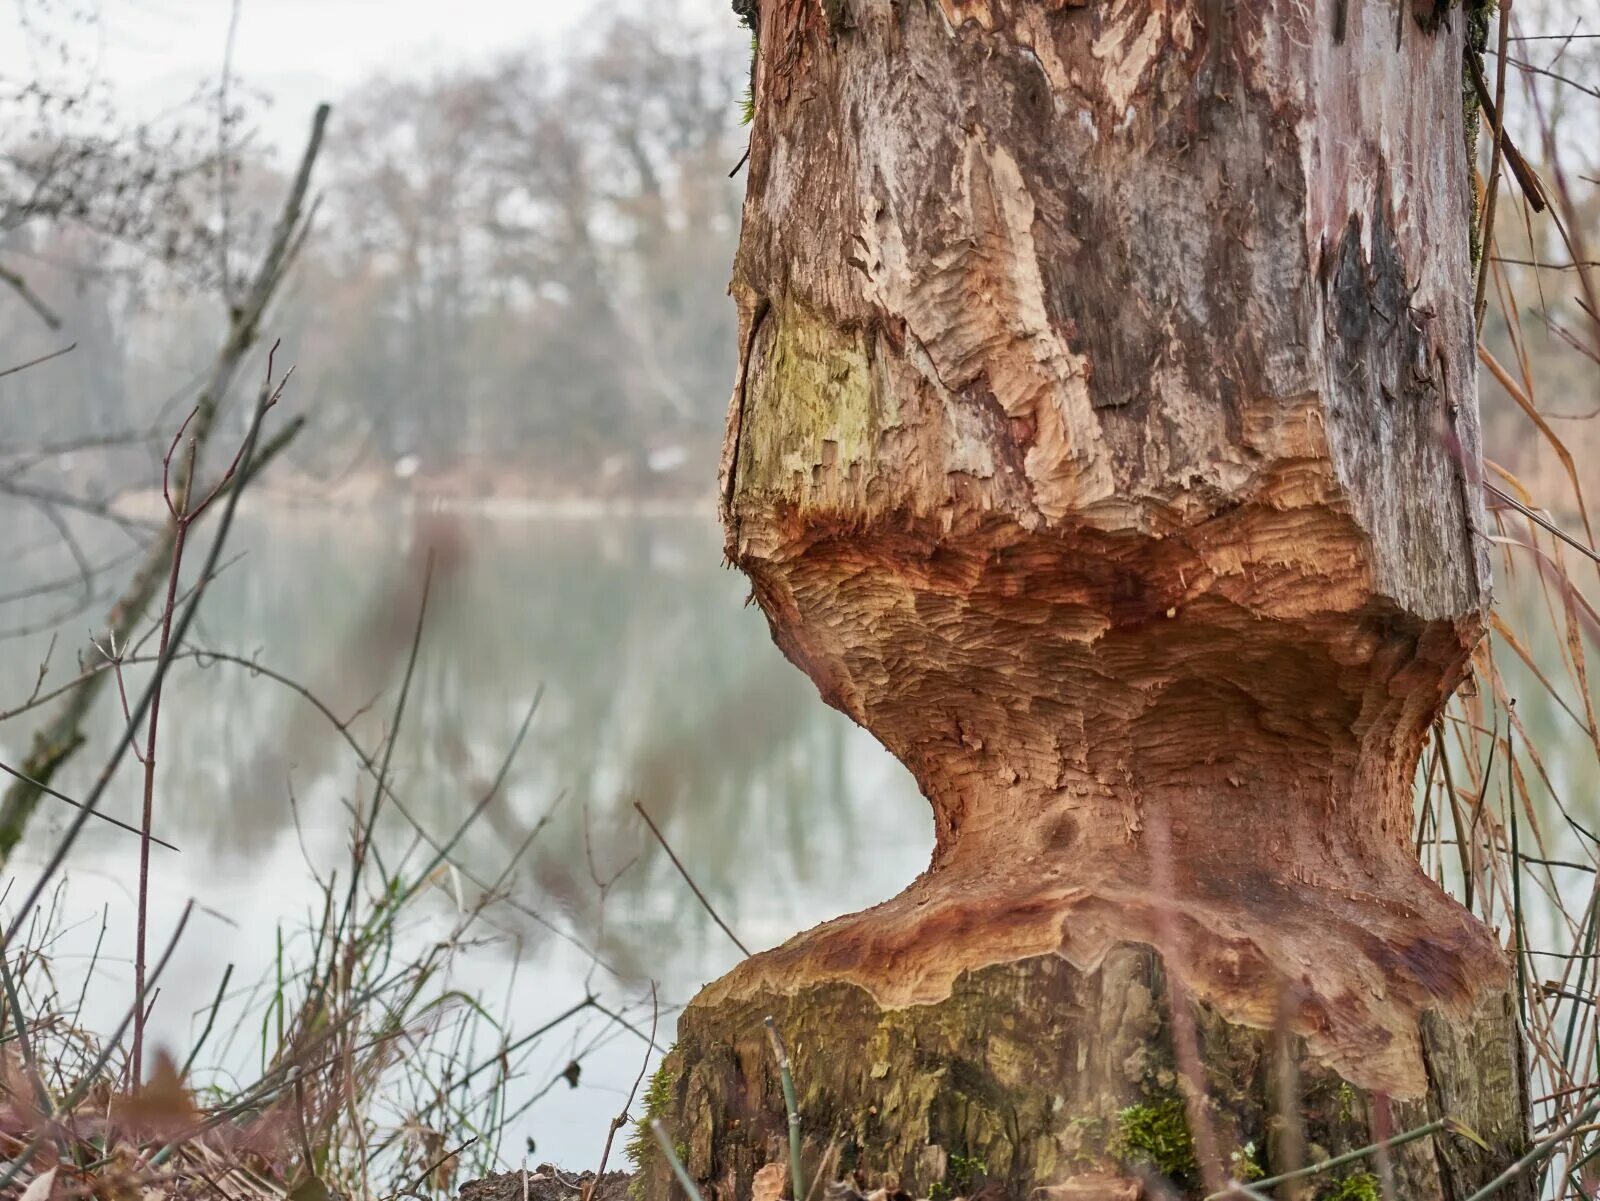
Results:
x,y
659,683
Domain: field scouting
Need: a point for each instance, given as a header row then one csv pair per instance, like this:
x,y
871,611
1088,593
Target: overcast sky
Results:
x,y
155,52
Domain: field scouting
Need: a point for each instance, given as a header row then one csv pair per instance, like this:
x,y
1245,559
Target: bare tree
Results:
x,y
534,252
70,158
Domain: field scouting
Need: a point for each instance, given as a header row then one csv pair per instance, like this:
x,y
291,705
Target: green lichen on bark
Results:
x,y
747,102
1358,1186
658,1102
812,409
935,1094
1154,1137
749,14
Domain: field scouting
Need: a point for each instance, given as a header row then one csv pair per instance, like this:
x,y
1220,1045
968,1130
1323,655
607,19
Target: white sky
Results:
x,y
301,52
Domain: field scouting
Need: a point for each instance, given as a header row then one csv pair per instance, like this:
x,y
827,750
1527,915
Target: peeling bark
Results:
x,y
1106,443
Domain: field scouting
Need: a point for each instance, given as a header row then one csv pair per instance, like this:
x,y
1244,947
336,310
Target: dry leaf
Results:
x,y
39,1187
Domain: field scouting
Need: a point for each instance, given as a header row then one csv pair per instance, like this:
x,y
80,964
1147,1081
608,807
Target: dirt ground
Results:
x,y
545,1183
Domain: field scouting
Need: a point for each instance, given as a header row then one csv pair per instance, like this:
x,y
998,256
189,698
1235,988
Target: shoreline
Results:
x,y
147,504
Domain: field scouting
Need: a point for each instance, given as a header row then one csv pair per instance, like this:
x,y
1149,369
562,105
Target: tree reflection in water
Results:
x,y
659,685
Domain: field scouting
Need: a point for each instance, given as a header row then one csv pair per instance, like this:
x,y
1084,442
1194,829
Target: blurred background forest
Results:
x,y
517,283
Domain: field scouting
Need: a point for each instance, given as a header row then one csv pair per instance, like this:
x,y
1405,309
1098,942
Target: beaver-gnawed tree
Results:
x,y
1105,441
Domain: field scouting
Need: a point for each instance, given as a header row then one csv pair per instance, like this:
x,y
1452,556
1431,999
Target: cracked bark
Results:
x,y
1106,443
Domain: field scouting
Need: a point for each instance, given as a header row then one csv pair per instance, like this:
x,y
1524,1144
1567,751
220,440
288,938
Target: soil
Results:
x,y
545,1183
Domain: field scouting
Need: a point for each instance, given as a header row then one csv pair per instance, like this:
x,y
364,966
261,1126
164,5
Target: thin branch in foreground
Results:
x,y
780,1052
29,297
689,880
1525,176
44,358
678,1170
621,1120
180,629
184,513
61,735
1539,519
1441,1126
1539,1153
65,799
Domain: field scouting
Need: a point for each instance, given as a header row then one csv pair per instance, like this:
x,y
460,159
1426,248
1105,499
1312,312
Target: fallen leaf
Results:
x,y
39,1187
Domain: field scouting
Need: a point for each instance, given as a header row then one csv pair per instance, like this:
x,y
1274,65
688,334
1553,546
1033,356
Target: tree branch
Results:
x,y
29,297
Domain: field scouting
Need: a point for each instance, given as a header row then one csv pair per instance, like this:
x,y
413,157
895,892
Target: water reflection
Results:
x,y
659,684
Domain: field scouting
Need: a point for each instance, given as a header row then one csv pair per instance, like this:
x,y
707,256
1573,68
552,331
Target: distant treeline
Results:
x,y
521,264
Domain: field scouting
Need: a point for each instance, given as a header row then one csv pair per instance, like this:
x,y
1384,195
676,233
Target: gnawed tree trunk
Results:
x,y
1106,443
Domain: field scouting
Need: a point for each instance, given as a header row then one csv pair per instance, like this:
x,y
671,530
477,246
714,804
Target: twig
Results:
x,y
29,297
678,1170
1526,178
125,740
19,1020
427,1171
689,880
65,799
44,669
625,1024
269,450
44,358
621,1120
211,1019
1327,1165
1486,234
184,514
363,844
797,1188
63,730
1537,518
341,727
586,1003
101,509
1539,1152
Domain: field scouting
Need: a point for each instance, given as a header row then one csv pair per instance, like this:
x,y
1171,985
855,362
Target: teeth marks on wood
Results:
x,y
1101,452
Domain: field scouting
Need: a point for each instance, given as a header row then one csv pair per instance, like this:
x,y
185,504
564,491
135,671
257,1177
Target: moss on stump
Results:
x,y
1036,1075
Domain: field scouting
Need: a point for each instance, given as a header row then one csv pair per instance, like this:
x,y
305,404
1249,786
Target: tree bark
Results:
x,y
1106,443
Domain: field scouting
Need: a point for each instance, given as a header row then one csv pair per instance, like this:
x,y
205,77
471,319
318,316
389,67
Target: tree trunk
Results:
x,y
1106,443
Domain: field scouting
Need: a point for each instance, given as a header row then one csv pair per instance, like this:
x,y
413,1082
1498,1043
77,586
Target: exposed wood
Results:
x,y
1106,443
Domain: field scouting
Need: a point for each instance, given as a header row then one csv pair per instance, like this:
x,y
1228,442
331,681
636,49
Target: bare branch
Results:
x,y
44,358
29,297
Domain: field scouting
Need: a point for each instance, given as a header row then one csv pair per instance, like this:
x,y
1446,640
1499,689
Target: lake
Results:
x,y
657,683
